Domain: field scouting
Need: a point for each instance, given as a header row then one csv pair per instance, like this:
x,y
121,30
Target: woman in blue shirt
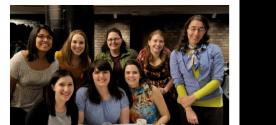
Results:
x,y
197,72
102,101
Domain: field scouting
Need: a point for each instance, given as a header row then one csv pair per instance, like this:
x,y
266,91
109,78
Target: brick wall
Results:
x,y
172,26
219,34
101,27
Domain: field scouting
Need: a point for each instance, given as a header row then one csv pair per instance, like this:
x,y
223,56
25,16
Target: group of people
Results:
x,y
120,86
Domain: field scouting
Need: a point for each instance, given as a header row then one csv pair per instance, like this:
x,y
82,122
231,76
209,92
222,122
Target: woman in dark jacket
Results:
x,y
58,107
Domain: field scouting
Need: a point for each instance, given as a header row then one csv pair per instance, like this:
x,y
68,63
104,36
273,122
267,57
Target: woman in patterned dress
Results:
x,y
147,101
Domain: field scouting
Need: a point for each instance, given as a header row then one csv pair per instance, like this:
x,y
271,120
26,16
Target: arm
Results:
x,y
216,75
175,69
181,92
190,114
133,116
180,88
14,72
178,79
217,65
168,86
140,57
188,100
81,98
161,106
207,89
124,116
81,118
13,82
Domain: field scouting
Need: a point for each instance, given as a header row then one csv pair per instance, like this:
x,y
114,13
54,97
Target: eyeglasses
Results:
x,y
200,30
115,39
43,37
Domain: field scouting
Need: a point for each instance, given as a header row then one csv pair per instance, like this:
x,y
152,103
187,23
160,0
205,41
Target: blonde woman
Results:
x,y
73,56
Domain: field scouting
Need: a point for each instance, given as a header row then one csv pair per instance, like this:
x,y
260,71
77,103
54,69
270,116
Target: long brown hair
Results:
x,y
50,94
68,54
93,93
183,43
148,56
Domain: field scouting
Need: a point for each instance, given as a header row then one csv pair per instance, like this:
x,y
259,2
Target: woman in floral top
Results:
x,y
154,61
147,100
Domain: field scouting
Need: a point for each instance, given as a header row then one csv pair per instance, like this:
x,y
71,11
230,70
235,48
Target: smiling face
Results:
x,y
101,78
63,88
156,43
195,32
132,76
44,41
78,44
114,41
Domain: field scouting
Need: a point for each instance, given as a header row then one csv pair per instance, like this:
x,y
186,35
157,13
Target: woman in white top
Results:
x,y
58,106
30,71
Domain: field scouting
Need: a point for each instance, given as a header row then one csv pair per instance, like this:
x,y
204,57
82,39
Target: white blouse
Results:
x,y
29,88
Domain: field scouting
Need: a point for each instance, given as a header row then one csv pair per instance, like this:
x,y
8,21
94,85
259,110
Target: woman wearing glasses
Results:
x,y
115,51
30,71
197,72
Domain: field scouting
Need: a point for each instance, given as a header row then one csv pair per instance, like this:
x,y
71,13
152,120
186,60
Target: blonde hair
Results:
x,y
67,52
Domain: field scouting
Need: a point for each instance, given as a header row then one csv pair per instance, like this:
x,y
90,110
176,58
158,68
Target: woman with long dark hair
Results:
x,y
30,71
58,107
197,72
115,51
147,100
102,100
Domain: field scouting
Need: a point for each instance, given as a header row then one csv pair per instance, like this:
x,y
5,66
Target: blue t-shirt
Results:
x,y
106,111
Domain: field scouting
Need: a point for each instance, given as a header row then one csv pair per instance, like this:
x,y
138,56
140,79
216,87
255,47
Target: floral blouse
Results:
x,y
143,105
159,75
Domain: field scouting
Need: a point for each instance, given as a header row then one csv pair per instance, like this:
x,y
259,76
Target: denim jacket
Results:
x,y
211,64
